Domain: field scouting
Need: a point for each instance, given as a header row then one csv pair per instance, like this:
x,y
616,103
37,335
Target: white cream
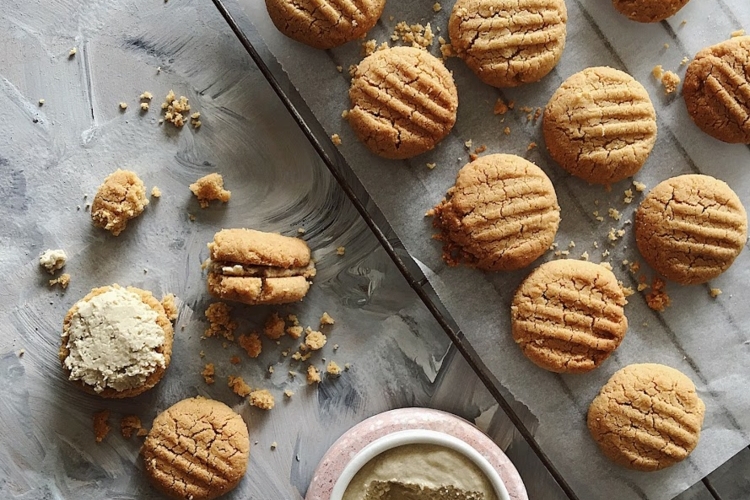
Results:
x,y
53,260
419,472
112,340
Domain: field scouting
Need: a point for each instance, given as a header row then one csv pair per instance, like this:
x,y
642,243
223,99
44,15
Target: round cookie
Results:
x,y
197,449
116,342
506,42
647,417
600,125
404,102
324,24
717,90
567,316
649,11
690,228
120,198
502,214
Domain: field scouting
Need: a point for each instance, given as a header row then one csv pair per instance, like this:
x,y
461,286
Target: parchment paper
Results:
x,y
706,338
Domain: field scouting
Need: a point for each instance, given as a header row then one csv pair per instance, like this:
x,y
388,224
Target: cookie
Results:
x,y
116,342
197,449
717,90
404,102
507,42
648,11
119,199
647,417
258,268
568,317
324,24
502,214
600,125
690,228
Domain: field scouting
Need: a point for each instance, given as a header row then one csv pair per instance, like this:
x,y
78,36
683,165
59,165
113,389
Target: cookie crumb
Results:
x,y
170,306
313,375
606,265
144,106
658,71
274,327
270,369
72,52
506,131
288,393
101,425
415,35
446,49
294,331
336,139
251,344
436,7
235,360
642,286
670,81
585,256
273,445
657,299
736,33
301,230
130,424
715,292
314,340
572,244
262,399
626,290
41,102
614,214
120,198
531,146
146,96
639,186
220,322
684,61
333,369
210,188
340,69
628,196
156,192
208,373
369,47
123,106
431,166
175,109
53,260
63,281
21,352
239,386
326,319
347,366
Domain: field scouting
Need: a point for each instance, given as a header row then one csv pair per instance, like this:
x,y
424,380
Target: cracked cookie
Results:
x,y
258,268
648,11
717,90
324,24
567,316
600,125
116,342
502,214
197,449
404,102
690,228
119,199
507,42
647,417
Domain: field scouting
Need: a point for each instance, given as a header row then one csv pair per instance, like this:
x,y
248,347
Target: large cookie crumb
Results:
x,y
101,425
119,199
210,188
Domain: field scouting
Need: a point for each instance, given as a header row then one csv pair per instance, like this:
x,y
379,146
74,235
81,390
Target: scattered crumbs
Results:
x,y
292,373
352,69
333,369
666,45
270,369
605,254
130,424
262,399
235,360
63,281
285,353
626,290
156,192
251,344
21,352
468,144
715,292
273,445
614,214
446,49
506,131
202,354
628,196
313,375
219,321
314,340
595,244
274,327
336,139
288,393
657,299
670,81
436,7
144,106
335,347
481,149
72,52
639,186
572,244
340,69
294,331
683,22
123,106
210,188
158,70
537,114
146,96
736,33
415,35
634,267
615,234
208,373
606,265
347,366
239,386
301,230
625,262
101,425
161,120
169,305
531,146
684,61
41,102
326,319
658,71
369,47
642,286
585,256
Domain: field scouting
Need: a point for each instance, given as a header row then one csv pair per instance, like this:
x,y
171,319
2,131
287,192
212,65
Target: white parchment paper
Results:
x,y
706,338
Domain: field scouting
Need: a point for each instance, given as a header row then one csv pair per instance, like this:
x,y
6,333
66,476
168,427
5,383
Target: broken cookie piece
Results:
x,y
210,188
253,267
53,260
119,199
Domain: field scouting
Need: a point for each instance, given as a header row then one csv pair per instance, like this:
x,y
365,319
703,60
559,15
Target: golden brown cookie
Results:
x,y
507,42
259,268
502,214
717,90
324,24
567,316
116,342
649,11
690,228
404,102
120,198
197,449
647,417
600,125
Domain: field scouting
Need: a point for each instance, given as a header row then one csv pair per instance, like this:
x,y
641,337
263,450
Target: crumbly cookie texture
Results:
x,y
324,24
130,425
691,228
116,342
404,102
506,42
568,316
210,188
716,90
119,199
101,425
647,417
502,214
649,11
262,399
196,449
251,344
600,125
63,280
53,260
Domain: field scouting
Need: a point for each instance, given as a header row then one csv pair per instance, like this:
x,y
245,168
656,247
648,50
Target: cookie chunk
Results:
x,y
210,188
121,198
717,90
502,214
567,316
259,268
649,11
116,342
324,24
690,228
647,417
196,449
506,42
404,102
600,125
